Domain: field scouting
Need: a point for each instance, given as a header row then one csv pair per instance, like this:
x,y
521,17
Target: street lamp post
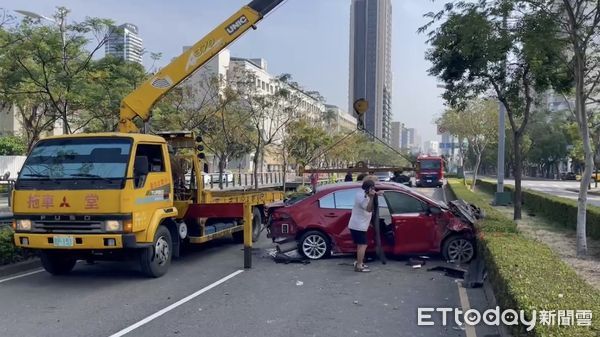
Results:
x,y
501,197
62,24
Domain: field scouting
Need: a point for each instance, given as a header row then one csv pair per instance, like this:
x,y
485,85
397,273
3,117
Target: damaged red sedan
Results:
x,y
410,223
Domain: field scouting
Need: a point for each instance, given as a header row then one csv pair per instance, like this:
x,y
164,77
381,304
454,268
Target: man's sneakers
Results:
x,y
362,269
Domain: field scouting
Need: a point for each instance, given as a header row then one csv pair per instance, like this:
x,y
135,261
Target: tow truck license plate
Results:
x,y
63,241
428,180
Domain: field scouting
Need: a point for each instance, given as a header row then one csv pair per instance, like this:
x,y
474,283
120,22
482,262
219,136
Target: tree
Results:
x,y
477,123
269,112
548,141
225,135
109,80
51,63
476,51
578,22
12,146
304,141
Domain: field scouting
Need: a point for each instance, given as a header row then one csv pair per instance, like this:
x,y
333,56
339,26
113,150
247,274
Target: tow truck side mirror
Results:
x,y
140,166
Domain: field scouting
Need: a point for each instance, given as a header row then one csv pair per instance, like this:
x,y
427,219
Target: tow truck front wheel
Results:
x,y
57,263
155,260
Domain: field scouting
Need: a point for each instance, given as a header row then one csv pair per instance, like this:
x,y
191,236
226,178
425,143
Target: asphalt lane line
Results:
x,y
464,303
21,275
174,305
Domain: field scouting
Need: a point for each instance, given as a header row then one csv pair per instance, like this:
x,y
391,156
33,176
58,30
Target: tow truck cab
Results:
x,y
86,194
430,171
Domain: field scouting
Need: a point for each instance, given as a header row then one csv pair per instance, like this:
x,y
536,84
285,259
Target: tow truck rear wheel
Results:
x,y
57,263
155,260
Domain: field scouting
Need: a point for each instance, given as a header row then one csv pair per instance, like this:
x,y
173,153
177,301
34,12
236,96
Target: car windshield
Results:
x,y
382,174
103,160
430,164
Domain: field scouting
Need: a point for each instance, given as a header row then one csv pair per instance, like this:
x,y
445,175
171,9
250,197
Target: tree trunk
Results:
x,y
255,168
589,159
518,168
221,170
476,170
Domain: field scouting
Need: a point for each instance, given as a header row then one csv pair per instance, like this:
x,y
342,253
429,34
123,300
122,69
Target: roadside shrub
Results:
x,y
560,210
9,253
526,275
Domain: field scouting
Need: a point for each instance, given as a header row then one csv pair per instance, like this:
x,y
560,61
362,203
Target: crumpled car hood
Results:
x,y
468,212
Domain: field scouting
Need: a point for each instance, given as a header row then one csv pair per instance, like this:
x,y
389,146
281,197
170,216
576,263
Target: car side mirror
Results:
x,y
432,210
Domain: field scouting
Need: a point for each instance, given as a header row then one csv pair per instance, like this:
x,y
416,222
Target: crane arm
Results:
x,y
139,102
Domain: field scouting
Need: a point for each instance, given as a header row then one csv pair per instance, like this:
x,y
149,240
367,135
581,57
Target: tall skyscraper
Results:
x,y
396,135
371,63
124,42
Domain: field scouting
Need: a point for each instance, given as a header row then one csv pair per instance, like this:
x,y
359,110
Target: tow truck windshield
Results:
x,y
76,163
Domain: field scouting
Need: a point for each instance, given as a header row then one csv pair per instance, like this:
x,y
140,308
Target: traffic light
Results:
x,y
201,155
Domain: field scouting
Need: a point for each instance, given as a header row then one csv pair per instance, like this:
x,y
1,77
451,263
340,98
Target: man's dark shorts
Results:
x,y
359,237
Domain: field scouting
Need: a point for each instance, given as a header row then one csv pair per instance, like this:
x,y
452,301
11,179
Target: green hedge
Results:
x,y
526,275
560,210
9,253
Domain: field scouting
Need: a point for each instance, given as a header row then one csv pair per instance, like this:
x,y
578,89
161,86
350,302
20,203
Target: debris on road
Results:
x,y
299,283
416,262
450,271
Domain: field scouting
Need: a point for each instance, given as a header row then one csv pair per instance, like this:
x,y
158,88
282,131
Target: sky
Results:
x,y
306,38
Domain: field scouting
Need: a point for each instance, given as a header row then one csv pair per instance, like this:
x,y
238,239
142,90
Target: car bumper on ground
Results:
x,y
76,241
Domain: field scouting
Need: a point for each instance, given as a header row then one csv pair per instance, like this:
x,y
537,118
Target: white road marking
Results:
x,y
464,303
21,275
174,305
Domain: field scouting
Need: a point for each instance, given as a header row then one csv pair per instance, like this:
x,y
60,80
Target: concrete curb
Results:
x,y
20,267
491,298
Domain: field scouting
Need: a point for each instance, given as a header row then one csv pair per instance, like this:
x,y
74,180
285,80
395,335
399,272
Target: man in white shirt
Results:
x,y
360,220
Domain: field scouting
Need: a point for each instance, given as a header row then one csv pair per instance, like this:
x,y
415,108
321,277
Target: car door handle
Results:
x,y
331,215
401,221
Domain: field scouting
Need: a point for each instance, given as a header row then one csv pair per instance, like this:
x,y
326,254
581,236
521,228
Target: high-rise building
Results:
x,y
371,63
396,139
125,43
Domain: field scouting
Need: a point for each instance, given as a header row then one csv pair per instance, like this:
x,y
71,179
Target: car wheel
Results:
x,y
155,260
57,263
314,245
458,248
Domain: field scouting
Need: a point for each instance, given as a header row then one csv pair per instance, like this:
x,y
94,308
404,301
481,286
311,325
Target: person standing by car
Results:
x,y
314,181
360,220
348,176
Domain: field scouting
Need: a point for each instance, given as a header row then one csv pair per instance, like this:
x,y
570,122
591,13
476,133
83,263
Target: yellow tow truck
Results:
x,y
121,195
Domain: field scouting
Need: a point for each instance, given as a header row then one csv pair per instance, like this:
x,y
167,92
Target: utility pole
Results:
x,y
501,198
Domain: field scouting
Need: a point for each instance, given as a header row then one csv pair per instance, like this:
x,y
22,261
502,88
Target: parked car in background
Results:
x,y
205,178
384,176
568,176
227,177
411,223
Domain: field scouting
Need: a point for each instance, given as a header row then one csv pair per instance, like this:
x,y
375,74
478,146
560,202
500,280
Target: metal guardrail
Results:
x,y
246,180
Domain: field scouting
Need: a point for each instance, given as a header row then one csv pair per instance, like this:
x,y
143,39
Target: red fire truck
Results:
x,y
430,171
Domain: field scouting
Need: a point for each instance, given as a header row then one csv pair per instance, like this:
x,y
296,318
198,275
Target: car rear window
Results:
x,y
343,199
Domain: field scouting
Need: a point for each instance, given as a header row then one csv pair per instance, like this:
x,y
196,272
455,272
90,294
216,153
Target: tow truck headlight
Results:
x,y
23,225
113,225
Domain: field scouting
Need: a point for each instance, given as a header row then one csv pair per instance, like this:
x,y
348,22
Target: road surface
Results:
x,y
558,188
207,293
